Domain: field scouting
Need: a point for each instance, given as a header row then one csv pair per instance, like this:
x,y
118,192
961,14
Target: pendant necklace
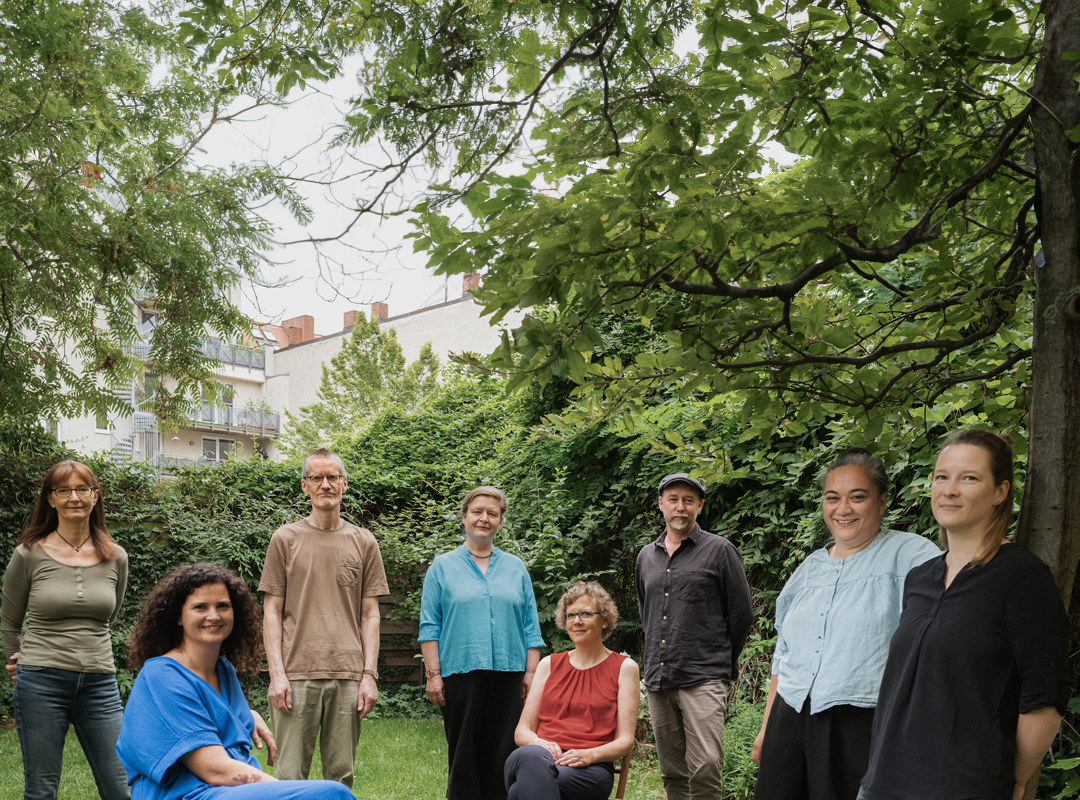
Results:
x,y
75,547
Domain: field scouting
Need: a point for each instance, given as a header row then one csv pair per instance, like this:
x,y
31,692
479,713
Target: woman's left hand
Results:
x,y
262,734
575,758
14,659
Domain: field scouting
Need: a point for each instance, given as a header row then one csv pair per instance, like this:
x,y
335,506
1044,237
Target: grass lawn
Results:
x,y
398,759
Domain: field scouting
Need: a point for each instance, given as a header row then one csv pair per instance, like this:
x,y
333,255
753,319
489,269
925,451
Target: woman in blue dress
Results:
x,y
188,730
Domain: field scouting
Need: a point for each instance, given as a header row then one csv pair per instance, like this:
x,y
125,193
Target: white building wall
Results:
x,y
292,375
452,328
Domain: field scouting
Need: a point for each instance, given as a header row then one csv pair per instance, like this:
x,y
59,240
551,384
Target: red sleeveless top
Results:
x,y
579,707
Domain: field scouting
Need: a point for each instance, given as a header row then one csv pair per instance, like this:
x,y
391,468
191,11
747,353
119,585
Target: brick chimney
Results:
x,y
300,329
379,312
349,322
470,281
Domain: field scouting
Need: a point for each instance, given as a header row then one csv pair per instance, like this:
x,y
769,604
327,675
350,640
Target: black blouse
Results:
x,y
964,663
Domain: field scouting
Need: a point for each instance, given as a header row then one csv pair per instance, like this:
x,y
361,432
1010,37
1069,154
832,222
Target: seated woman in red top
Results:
x,y
581,711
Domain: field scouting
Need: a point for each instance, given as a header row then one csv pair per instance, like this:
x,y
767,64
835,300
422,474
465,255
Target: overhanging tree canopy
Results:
x,y
101,205
827,206
893,264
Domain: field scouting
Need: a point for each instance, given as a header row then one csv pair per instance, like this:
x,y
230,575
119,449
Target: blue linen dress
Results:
x,y
171,712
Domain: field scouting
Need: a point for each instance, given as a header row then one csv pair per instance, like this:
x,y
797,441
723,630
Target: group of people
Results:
x,y
904,672
900,672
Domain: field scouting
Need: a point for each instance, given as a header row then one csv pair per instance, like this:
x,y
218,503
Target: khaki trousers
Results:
x,y
689,728
323,710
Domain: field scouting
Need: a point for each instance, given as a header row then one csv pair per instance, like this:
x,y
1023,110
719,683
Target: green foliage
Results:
x,y
1059,777
101,203
740,730
367,376
404,701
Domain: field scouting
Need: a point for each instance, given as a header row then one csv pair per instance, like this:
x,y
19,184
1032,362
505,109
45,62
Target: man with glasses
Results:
x,y
696,611
322,579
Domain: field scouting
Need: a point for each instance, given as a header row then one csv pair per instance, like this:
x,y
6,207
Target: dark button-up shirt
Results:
x,y
963,665
695,608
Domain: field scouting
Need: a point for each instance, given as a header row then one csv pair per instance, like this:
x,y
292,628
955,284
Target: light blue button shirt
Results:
x,y
835,617
481,621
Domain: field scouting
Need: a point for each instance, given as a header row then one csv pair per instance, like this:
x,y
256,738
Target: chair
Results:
x,y
622,769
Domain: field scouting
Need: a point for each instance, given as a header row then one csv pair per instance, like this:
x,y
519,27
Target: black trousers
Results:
x,y
531,774
481,712
814,756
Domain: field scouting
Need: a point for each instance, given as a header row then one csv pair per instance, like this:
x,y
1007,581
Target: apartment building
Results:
x,y
277,368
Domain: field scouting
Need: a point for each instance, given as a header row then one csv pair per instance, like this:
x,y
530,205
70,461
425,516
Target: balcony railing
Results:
x,y
237,354
244,418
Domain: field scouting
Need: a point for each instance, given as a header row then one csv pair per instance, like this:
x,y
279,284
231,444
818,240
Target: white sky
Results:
x,y
374,263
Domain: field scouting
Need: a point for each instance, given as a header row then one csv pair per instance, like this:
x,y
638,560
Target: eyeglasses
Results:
x,y
82,492
318,479
584,616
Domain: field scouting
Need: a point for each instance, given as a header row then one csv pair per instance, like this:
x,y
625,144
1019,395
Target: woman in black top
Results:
x,y
976,681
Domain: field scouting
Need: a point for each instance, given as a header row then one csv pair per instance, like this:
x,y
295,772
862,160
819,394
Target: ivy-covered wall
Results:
x,y
581,503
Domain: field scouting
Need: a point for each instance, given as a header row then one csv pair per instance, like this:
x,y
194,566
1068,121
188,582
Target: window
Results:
x,y
101,421
149,321
151,382
219,415
218,449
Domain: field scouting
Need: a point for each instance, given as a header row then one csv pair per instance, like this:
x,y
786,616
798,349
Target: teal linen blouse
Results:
x,y
481,621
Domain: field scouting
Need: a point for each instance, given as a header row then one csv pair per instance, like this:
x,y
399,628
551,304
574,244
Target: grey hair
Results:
x,y
322,452
858,457
483,491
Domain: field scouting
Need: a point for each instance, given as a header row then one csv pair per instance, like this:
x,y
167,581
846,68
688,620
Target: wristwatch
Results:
x,y
373,673
431,673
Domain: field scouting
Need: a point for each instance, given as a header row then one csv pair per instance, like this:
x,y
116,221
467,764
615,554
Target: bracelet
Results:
x,y
432,673
373,673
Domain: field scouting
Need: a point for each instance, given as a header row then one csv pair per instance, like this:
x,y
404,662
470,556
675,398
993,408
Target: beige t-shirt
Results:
x,y
323,576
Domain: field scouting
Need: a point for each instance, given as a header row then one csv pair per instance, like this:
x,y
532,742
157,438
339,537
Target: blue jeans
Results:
x,y
46,700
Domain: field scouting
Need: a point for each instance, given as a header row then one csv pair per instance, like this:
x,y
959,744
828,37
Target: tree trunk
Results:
x,y
1050,514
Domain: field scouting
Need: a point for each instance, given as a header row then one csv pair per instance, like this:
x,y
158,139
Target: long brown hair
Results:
x,y
45,520
158,630
999,449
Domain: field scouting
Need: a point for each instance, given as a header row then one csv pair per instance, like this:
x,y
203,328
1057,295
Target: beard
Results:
x,y
679,523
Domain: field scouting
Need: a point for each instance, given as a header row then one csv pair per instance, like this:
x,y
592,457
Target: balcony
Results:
x,y
236,354
243,419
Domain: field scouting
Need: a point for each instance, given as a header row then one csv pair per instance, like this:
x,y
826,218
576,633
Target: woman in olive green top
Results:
x,y
67,577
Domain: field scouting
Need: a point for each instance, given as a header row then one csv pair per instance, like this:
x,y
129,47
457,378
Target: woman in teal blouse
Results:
x,y
480,636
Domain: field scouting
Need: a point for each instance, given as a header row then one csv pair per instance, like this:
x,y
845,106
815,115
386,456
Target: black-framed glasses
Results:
x,y
82,492
318,479
584,616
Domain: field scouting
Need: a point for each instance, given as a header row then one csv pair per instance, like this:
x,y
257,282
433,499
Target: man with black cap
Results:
x,y
696,610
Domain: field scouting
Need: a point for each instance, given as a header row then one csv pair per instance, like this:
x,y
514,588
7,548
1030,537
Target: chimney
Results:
x,y
300,329
349,321
470,281
379,312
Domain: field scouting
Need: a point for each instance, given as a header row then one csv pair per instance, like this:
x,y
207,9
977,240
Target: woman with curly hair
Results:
x,y
67,578
581,712
187,727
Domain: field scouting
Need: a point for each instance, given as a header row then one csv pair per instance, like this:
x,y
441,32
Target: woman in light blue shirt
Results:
x,y
480,636
834,619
